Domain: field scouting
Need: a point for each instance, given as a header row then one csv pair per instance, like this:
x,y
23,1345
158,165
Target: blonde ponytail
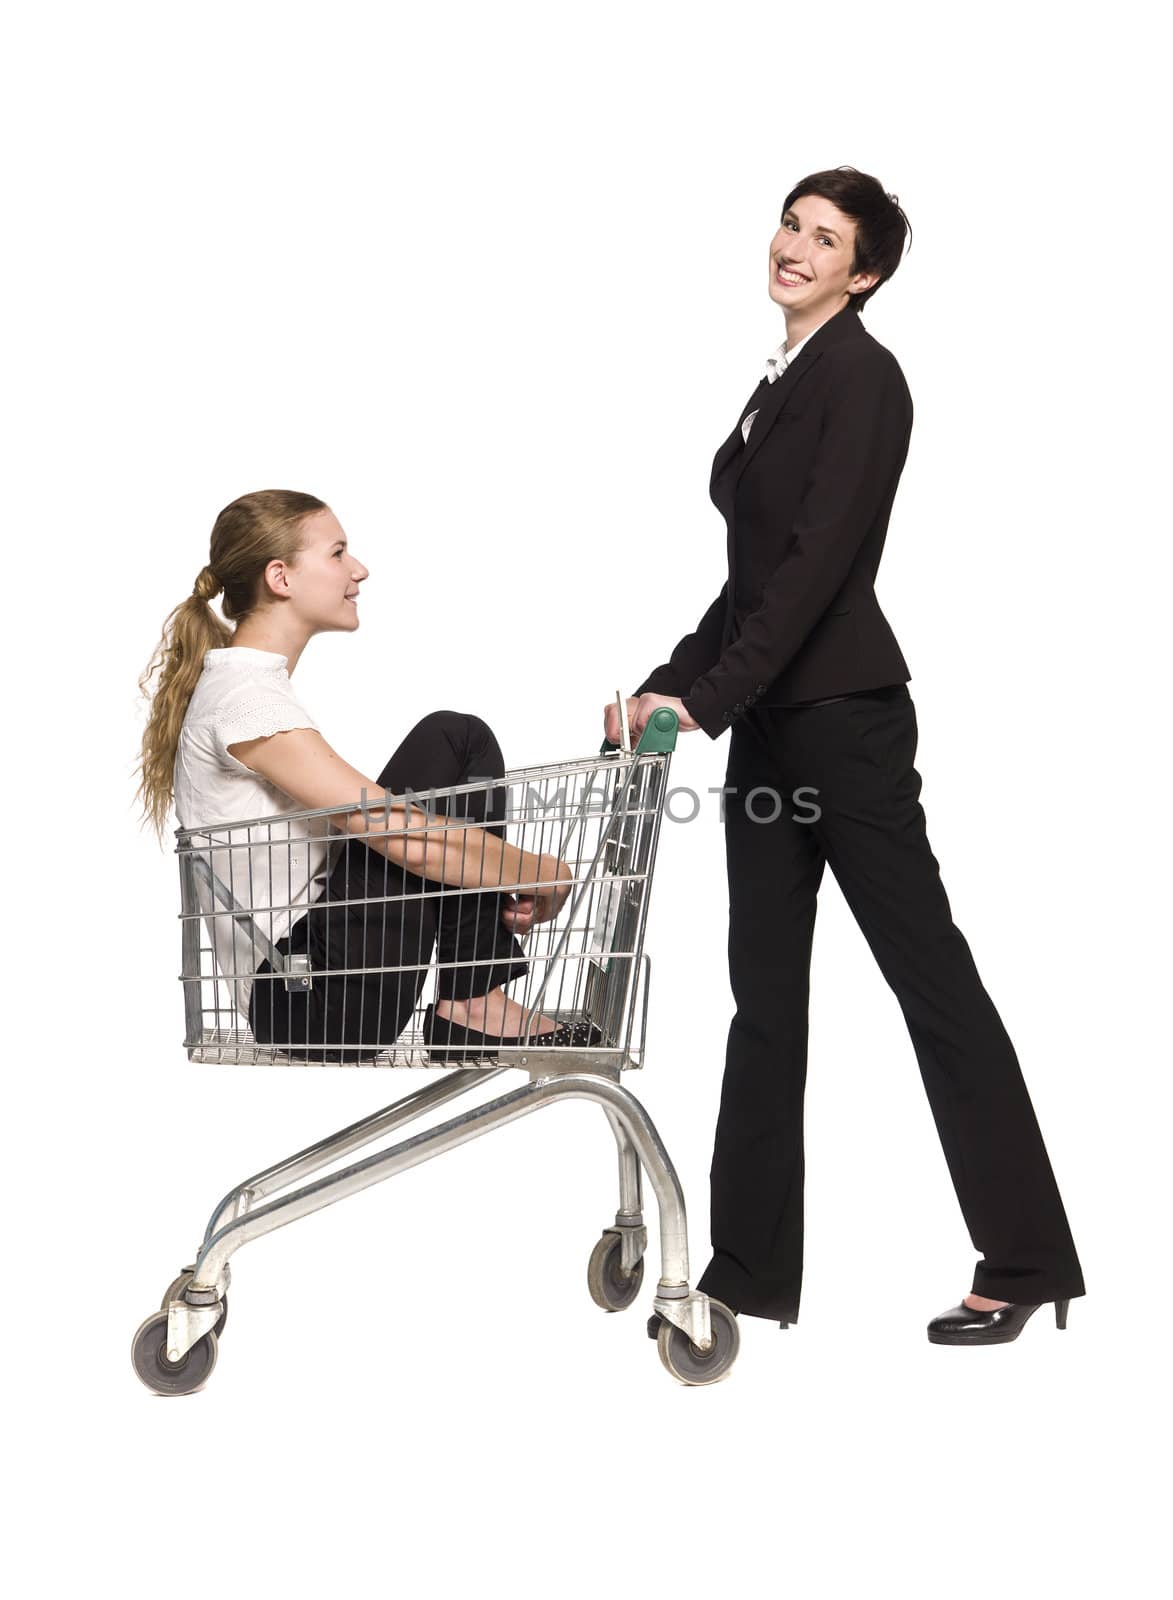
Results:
x,y
248,534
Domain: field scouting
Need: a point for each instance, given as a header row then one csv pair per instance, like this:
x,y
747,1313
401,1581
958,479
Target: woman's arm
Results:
x,y
302,765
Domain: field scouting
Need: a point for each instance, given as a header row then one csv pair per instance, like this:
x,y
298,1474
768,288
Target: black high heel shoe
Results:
x,y
473,1046
655,1321
961,1325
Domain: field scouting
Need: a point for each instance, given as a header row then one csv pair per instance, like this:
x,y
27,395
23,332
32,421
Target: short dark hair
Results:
x,y
881,227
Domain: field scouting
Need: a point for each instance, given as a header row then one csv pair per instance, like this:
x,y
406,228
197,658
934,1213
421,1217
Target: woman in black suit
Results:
x,y
796,658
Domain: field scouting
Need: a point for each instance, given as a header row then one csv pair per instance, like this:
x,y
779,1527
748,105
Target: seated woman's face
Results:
x,y
322,584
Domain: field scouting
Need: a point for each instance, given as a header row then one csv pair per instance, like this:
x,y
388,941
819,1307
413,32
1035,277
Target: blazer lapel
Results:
x,y
735,443
778,393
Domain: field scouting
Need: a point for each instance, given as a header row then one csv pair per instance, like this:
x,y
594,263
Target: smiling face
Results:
x,y
811,275
321,586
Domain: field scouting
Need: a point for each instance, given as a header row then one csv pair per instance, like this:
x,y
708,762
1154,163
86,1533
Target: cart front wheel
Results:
x,y
176,1289
610,1286
149,1355
692,1366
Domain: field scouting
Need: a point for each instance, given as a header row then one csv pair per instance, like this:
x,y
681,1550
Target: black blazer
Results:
x,y
806,505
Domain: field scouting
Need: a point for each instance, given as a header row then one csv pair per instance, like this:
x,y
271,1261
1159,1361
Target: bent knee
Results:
x,y
456,721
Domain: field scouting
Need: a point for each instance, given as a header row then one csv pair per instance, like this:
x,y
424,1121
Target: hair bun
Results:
x,y
207,585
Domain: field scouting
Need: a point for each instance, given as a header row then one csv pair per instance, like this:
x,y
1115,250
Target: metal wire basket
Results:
x,y
243,960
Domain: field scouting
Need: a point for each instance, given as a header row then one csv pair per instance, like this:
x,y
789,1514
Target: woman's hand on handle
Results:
x,y
612,732
639,709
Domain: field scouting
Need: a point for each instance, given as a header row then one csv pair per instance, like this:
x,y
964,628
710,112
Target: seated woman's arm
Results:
x,y
302,765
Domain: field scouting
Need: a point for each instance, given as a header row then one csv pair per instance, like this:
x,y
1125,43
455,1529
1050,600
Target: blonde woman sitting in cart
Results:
x,y
228,738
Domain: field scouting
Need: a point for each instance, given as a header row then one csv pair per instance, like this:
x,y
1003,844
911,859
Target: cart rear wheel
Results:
x,y
149,1355
610,1286
177,1285
175,1292
693,1366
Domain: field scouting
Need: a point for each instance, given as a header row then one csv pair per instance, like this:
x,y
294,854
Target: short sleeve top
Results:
x,y
276,871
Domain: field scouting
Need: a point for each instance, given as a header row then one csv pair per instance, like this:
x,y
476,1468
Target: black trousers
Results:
x,y
870,828
372,1009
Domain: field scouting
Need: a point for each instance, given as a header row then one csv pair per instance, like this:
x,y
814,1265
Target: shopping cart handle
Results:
x,y
658,737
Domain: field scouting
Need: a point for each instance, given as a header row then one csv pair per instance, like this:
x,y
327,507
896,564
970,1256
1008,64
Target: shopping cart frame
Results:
x,y
175,1349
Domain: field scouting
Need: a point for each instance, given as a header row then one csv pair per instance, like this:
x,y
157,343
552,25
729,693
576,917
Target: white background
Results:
x,y
492,281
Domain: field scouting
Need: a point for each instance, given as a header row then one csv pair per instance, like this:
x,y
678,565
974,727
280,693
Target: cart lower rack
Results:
x,y
305,943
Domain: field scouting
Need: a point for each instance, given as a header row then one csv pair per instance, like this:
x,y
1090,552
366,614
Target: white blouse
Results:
x,y
775,366
246,694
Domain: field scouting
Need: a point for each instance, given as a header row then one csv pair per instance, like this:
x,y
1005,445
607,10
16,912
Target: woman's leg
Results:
x,y
370,915
375,915
860,753
475,952
775,867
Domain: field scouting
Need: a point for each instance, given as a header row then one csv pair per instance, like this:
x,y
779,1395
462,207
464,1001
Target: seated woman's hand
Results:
x,y
550,898
528,906
517,914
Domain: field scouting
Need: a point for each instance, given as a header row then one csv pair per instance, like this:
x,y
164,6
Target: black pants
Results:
x,y
372,1009
858,754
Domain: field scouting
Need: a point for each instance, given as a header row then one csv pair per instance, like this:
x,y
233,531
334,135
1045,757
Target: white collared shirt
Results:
x,y
245,694
775,366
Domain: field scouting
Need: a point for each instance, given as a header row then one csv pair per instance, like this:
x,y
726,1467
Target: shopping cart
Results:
x,y
587,967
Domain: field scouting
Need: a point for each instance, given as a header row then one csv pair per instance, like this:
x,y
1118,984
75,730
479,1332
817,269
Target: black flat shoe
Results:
x,y
960,1325
439,1032
655,1320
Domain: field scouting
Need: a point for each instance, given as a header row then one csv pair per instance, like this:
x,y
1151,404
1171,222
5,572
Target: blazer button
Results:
x,y
738,709
761,688
749,699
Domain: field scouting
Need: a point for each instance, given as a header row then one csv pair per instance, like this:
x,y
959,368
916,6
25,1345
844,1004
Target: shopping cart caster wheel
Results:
x,y
175,1292
610,1286
693,1366
149,1354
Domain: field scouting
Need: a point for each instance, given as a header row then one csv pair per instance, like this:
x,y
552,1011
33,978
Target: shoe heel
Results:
x,y
1061,1313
